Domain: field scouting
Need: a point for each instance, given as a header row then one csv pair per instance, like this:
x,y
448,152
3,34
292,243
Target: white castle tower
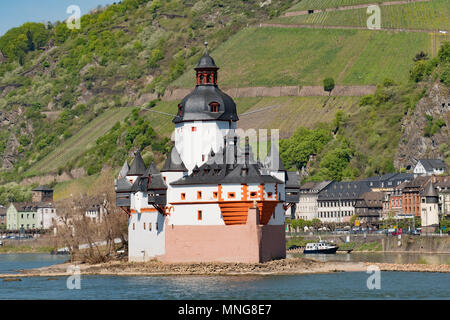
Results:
x,y
429,213
204,116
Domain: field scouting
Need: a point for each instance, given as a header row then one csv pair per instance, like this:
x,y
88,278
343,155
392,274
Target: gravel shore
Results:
x,y
288,266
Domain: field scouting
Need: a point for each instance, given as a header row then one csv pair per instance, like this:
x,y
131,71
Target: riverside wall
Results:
x,y
389,243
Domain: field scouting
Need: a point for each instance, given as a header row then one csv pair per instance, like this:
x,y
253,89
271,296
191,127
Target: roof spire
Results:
x,y
206,47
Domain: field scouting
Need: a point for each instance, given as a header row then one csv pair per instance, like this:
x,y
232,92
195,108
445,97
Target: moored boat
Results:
x,y
320,247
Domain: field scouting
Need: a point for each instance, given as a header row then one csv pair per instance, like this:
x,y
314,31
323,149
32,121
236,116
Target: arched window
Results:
x,y
214,106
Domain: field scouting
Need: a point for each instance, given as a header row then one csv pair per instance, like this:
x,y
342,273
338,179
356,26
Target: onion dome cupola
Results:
x,y
207,101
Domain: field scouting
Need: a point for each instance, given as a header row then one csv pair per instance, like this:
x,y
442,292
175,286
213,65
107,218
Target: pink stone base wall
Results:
x,y
248,243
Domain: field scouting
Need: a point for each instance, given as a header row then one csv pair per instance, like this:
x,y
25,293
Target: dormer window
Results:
x,y
180,110
214,106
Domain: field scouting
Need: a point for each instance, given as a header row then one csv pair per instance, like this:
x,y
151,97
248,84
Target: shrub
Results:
x,y
328,84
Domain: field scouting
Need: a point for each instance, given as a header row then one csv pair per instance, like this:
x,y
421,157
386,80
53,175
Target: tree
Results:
x,y
328,84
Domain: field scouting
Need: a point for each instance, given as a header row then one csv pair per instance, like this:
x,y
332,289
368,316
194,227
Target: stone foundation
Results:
x,y
246,243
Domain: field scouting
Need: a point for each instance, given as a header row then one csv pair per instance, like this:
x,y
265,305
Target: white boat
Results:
x,y
320,247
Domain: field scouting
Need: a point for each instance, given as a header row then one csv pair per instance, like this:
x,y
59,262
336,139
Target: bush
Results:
x,y
328,84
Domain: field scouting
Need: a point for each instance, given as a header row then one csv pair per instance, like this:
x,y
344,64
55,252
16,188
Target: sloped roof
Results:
x,y
42,188
173,162
122,185
344,190
124,171
371,199
25,206
430,191
137,167
430,164
293,180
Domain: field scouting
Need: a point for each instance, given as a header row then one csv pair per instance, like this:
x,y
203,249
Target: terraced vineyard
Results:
x,y
434,15
289,113
286,113
324,4
306,56
80,142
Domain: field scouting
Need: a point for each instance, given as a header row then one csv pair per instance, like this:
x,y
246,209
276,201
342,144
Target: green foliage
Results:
x,y
14,193
328,84
296,150
432,126
17,42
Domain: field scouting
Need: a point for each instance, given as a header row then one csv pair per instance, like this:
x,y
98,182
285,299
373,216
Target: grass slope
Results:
x,y
307,56
421,15
287,113
324,4
80,142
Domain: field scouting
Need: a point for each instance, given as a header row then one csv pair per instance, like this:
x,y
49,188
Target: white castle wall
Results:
x,y
194,146
146,236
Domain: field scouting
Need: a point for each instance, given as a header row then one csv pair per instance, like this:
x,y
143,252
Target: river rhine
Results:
x,y
394,285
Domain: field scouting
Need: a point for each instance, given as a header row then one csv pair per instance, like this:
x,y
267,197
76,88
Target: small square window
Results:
x,y
183,196
199,195
194,129
269,194
231,195
215,195
253,194
199,215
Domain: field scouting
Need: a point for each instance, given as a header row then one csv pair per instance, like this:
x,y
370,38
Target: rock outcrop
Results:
x,y
414,144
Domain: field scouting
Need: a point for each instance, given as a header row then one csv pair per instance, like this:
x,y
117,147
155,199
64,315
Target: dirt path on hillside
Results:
x,y
359,6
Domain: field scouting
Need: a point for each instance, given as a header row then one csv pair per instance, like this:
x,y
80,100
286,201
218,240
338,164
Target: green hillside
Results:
x,y
324,4
432,15
79,143
54,81
306,56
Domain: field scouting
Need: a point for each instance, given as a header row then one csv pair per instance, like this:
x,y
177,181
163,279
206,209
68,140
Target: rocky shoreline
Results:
x,y
290,266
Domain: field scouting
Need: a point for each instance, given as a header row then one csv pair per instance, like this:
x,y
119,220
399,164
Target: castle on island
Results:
x,y
212,200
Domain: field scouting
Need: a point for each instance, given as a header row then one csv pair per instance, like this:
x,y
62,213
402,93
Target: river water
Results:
x,y
394,285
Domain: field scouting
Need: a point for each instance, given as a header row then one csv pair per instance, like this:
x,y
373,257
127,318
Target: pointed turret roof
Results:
x,y
430,191
152,169
137,167
124,171
273,160
174,162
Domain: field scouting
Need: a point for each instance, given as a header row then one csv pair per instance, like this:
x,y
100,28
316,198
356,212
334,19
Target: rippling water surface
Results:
x,y
394,285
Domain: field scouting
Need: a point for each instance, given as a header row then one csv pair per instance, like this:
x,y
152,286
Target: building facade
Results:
x,y
21,216
307,207
336,202
428,167
369,207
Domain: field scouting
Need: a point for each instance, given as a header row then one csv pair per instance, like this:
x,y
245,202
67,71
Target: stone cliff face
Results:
x,y
414,144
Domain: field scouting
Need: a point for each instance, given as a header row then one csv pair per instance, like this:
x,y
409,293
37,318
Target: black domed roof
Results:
x,y
207,101
196,105
206,61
